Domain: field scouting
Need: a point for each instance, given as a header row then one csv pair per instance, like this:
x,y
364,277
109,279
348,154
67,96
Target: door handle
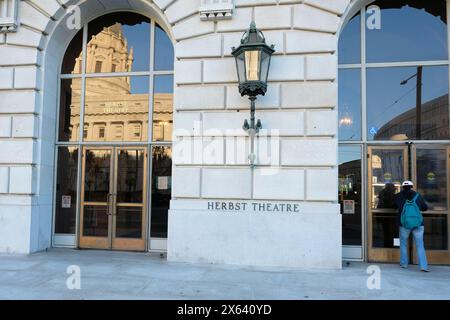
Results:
x,y
109,211
111,203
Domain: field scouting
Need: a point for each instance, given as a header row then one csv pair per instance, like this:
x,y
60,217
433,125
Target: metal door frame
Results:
x,y
380,254
136,245
433,256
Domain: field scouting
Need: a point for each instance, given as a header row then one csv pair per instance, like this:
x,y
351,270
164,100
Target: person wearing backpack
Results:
x,y
410,204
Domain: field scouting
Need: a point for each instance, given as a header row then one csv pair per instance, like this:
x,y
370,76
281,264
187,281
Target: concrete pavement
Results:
x,y
124,275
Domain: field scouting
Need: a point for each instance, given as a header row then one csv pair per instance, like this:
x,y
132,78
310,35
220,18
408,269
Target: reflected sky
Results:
x,y
164,53
407,34
350,42
349,153
388,99
138,37
350,104
164,84
139,85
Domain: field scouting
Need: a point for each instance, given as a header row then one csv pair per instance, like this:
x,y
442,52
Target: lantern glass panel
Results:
x,y
265,64
240,62
252,63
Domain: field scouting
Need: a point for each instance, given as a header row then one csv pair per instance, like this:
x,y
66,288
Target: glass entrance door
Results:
x,y
351,201
113,205
431,169
428,167
387,169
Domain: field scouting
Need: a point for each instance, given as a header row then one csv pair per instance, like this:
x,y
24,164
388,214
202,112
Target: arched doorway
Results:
x,y
394,123
113,146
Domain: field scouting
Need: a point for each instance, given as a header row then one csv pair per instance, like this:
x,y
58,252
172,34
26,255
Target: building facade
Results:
x,y
121,128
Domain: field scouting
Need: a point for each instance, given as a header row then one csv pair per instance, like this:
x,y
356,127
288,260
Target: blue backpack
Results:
x,y
411,217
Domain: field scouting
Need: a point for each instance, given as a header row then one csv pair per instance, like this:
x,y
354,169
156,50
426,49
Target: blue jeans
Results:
x,y
418,239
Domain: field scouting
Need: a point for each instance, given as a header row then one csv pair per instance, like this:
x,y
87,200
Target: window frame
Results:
x,y
364,66
71,240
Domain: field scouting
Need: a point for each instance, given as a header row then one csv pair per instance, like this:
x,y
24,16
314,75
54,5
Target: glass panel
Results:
x,y
161,190
350,104
72,62
97,175
119,42
241,67
66,190
436,232
350,42
265,61
432,177
129,222
130,176
350,194
395,101
114,106
69,112
95,221
164,53
387,175
385,229
252,63
163,108
408,31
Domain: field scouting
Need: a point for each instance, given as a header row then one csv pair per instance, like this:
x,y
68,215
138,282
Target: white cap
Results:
x,y
407,183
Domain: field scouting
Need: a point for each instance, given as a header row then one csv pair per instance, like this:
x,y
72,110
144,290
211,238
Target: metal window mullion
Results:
x,y
58,110
112,143
118,74
150,135
71,76
162,143
364,182
163,73
151,82
149,195
55,181
364,198
80,135
448,60
350,66
426,63
363,77
83,85
78,204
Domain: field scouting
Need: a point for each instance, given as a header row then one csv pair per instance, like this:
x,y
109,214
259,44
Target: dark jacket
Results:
x,y
400,199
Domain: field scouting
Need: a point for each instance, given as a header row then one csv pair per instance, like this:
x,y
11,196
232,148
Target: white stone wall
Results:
x,y
30,60
298,112
297,150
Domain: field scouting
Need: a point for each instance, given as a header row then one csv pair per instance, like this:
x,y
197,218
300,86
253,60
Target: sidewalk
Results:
x,y
119,275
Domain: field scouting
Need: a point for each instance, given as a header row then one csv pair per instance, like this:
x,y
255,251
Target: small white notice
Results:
x,y
349,206
396,242
163,183
66,202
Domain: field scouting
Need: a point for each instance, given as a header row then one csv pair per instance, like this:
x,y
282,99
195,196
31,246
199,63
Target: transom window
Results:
x,y
112,72
394,73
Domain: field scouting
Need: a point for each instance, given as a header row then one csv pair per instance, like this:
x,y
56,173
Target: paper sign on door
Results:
x,y
163,183
66,202
349,206
396,242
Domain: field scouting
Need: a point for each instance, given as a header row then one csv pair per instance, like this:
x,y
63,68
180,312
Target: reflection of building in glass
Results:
x,y
435,123
112,111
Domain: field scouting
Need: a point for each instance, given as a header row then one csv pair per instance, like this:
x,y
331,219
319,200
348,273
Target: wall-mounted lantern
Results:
x,y
253,58
8,15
